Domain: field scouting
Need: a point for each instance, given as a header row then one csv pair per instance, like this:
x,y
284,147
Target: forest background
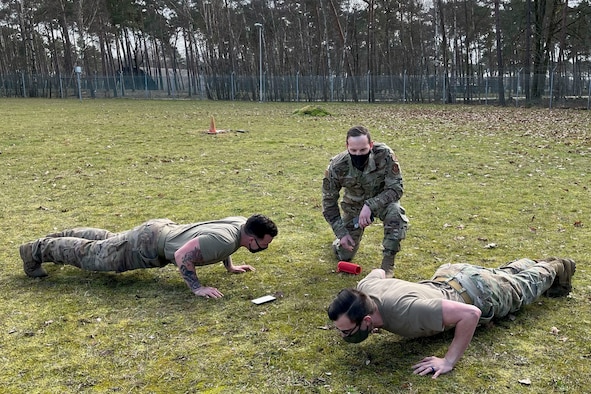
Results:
x,y
330,50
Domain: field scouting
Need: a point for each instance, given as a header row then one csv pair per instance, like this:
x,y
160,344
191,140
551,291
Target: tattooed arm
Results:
x,y
185,258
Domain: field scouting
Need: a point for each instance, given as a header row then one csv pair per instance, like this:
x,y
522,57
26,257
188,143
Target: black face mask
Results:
x,y
359,336
359,161
251,250
260,248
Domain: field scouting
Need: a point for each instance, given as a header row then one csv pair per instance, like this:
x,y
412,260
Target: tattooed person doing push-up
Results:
x,y
154,244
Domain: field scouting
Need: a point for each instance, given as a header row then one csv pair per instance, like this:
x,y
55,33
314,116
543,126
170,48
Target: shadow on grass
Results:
x,y
139,284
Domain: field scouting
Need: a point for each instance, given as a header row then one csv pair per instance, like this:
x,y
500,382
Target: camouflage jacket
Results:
x,y
378,185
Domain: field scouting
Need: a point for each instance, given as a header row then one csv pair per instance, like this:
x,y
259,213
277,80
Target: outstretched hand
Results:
x,y
239,269
208,292
435,365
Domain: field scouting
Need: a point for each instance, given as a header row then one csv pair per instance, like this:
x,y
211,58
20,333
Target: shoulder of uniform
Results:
x,y
340,159
339,165
382,150
381,147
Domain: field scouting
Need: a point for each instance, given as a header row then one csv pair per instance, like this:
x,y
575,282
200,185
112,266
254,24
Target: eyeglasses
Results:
x,y
351,331
257,242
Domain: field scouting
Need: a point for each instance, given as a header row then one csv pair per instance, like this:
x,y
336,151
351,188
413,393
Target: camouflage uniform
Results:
x,y
149,245
379,186
500,291
414,309
101,250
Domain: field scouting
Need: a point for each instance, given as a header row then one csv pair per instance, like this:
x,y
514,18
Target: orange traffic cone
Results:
x,y
212,129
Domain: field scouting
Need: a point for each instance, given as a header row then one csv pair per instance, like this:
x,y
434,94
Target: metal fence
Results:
x,y
295,88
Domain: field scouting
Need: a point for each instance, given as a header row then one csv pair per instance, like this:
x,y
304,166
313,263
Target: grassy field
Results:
x,y
474,176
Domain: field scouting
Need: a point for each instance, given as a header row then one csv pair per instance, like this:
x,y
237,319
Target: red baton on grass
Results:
x,y
351,268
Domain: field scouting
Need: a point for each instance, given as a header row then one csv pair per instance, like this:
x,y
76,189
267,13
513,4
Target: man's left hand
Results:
x,y
435,365
239,269
365,217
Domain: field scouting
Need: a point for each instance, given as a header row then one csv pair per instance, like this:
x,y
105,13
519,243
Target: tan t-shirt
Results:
x,y
218,239
408,309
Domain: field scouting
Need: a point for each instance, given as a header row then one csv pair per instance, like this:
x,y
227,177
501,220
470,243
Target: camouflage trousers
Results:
x,y
395,226
96,249
500,291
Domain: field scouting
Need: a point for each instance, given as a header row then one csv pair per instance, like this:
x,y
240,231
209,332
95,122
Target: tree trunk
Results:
x,y
500,65
447,92
527,55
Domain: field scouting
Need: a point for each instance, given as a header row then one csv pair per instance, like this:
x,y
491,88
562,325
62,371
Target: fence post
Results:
x,y
232,82
404,87
551,86
368,87
23,83
173,84
331,87
121,83
95,86
78,71
298,86
518,87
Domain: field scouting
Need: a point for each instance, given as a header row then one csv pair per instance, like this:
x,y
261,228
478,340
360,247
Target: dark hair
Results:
x,y
260,225
355,304
357,131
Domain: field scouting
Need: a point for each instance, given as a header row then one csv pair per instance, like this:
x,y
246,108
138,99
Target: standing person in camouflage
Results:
x,y
370,176
458,296
154,244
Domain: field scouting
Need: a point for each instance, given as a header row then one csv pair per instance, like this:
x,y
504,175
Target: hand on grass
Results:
x,y
208,292
435,365
239,269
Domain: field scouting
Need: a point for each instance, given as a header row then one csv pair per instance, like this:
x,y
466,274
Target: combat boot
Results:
x,y
31,266
565,269
335,250
388,264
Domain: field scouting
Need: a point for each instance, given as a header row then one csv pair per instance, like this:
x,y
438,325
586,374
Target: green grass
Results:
x,y
518,178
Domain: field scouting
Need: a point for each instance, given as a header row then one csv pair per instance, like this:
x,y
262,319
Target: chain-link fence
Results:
x,y
550,90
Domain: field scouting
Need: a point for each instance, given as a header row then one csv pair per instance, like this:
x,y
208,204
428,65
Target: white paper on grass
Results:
x,y
263,299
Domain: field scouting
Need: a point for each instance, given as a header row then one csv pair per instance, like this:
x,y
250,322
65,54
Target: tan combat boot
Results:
x,y
388,265
565,269
31,267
